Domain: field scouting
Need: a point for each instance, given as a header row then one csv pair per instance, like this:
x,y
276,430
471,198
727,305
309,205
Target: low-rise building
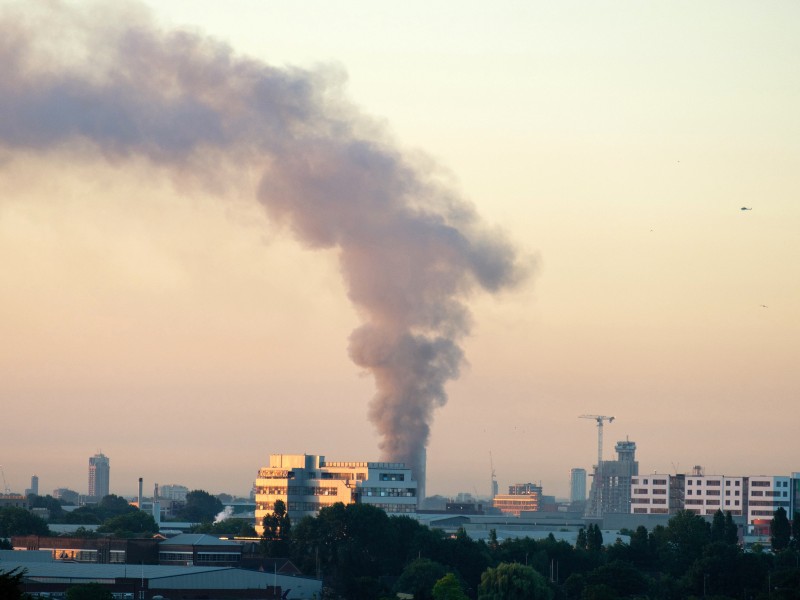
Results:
x,y
13,501
520,497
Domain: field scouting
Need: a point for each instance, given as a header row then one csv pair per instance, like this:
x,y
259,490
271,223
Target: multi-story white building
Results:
x,y
307,482
756,498
174,492
656,494
706,494
766,495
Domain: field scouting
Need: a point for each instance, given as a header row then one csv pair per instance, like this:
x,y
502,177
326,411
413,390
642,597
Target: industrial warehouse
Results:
x,y
49,578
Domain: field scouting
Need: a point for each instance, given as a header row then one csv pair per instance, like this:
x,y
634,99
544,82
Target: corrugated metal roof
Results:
x,y
27,555
64,569
167,577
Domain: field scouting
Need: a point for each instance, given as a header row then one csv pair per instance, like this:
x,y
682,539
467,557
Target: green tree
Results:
x,y
112,506
780,531
687,535
731,530
419,578
356,540
83,515
641,553
233,526
133,524
11,584
718,527
582,541
573,586
599,591
513,581
594,538
18,521
796,530
82,532
88,591
717,571
621,577
201,507
51,504
277,529
367,588
449,588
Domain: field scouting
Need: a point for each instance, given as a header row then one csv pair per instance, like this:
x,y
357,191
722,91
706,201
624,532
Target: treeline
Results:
x,y
363,554
113,515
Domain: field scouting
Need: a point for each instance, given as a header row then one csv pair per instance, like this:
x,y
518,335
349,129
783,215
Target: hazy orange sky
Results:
x,y
166,320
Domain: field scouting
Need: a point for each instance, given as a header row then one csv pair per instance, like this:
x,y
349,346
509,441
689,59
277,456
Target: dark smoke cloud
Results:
x,y
411,251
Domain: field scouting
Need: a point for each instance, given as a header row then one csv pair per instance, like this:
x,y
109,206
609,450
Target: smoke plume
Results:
x,y
111,83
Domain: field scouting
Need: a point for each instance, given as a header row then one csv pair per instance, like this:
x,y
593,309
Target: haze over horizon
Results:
x,y
164,317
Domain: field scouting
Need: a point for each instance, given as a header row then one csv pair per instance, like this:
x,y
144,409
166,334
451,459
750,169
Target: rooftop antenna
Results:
x,y
599,419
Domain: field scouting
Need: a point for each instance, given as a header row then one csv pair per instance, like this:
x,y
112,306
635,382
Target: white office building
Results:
x,y
307,483
706,494
766,494
654,494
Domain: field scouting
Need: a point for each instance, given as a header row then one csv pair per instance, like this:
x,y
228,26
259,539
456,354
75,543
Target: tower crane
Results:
x,y
494,476
599,419
6,489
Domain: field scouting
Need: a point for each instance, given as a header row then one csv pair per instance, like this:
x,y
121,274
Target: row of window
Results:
x,y
340,476
784,483
175,556
397,508
376,491
297,491
714,482
188,557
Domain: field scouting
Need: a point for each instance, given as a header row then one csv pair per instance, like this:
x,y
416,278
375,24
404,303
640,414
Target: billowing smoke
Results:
x,y
223,515
411,250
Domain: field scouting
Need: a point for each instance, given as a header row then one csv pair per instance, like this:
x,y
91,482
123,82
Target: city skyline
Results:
x,y
547,489
160,313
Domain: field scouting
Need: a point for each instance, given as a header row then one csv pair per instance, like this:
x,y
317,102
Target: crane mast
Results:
x,y
6,489
599,419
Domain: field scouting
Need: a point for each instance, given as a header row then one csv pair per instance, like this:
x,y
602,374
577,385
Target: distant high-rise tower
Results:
x,y
577,485
99,472
34,489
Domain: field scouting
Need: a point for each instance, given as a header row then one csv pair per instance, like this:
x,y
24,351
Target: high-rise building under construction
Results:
x,y
611,483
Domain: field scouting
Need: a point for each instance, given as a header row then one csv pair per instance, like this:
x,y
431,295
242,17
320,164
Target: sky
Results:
x,y
161,308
